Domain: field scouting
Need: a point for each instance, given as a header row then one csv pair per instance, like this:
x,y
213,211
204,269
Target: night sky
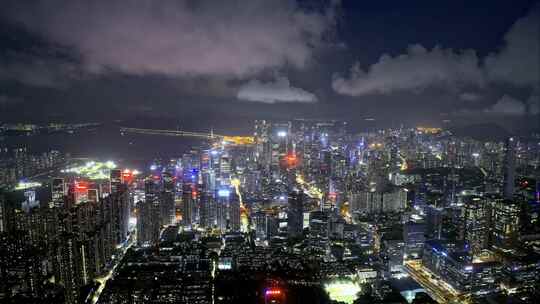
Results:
x,y
225,63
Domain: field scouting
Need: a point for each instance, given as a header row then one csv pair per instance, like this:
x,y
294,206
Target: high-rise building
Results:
x,y
58,190
116,179
295,213
452,263
509,169
207,209
414,239
505,222
118,203
189,196
3,213
68,266
167,196
148,223
475,227
227,210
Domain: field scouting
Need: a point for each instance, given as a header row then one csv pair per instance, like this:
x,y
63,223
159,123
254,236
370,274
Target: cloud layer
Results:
x,y
44,72
272,92
419,68
534,104
507,105
180,38
516,63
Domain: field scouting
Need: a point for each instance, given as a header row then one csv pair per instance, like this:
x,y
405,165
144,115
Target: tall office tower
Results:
x,y
189,195
262,142
120,210
207,209
167,199
280,141
234,213
537,189
84,219
186,166
475,226
295,213
224,168
434,220
3,213
148,223
318,224
68,266
509,169
414,237
58,190
224,198
505,223
151,188
116,179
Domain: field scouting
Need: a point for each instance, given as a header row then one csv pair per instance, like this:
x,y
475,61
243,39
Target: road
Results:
x,y
437,289
103,280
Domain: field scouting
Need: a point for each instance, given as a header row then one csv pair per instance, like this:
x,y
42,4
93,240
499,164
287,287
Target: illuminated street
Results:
x,y
441,292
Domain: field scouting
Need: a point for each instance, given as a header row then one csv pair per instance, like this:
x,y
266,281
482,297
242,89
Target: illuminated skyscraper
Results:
x,y
3,213
68,266
167,199
509,169
475,228
148,224
227,210
118,202
295,214
207,209
505,223
189,194
116,179
58,190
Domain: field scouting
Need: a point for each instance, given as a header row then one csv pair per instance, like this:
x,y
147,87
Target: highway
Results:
x,y
437,289
236,140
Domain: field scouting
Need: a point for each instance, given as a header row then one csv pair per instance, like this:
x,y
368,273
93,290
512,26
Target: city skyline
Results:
x,y
430,63
269,152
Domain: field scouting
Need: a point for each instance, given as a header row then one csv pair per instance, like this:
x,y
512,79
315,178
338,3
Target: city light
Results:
x,y
276,165
224,192
342,290
271,292
23,185
93,170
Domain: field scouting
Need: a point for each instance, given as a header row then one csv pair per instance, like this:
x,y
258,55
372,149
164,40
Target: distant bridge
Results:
x,y
237,140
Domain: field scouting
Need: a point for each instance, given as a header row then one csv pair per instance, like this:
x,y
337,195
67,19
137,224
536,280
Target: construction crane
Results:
x,y
235,140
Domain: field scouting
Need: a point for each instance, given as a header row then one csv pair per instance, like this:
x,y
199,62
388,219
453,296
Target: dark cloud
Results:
x,y
6,100
470,96
534,104
416,70
279,90
38,71
508,105
516,63
233,38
